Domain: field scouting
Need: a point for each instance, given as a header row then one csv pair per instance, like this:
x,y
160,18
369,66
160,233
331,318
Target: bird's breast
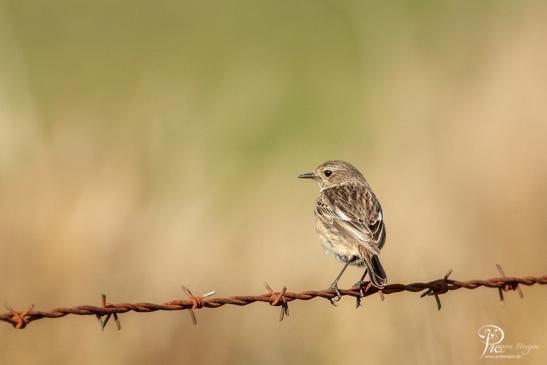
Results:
x,y
335,245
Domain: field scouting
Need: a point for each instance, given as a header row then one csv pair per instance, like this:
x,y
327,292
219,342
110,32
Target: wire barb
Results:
x,y
279,299
18,318
439,287
197,302
21,319
102,323
509,285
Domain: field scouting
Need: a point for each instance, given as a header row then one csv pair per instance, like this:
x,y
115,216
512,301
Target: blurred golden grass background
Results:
x,y
144,145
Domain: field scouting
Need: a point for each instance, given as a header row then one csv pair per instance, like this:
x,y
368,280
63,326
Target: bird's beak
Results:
x,y
308,175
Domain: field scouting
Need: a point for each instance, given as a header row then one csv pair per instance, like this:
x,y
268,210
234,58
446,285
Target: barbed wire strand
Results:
x,y
21,318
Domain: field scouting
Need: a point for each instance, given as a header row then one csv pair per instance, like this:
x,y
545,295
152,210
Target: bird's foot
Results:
x,y
362,290
361,285
338,296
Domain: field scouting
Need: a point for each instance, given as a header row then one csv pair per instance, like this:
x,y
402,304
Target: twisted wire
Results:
x,y
21,318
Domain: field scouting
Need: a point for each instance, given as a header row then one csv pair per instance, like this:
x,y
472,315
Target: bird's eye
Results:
x,y
327,173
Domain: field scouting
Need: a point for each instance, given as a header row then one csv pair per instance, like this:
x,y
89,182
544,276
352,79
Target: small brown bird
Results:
x,y
349,219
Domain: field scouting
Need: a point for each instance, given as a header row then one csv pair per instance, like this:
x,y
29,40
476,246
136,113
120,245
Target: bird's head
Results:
x,y
334,173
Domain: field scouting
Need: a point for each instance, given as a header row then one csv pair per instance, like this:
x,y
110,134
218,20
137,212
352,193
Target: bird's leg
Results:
x,y
359,285
334,284
361,282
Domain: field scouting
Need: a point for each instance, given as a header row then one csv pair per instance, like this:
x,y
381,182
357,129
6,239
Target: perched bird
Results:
x,y
349,220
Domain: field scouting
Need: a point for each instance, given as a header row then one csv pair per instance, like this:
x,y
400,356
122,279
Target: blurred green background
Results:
x,y
148,144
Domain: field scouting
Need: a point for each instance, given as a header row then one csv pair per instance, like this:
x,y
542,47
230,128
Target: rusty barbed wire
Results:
x,y
21,318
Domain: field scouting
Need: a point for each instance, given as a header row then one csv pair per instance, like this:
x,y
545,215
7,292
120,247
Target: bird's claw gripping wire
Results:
x,y
362,290
338,296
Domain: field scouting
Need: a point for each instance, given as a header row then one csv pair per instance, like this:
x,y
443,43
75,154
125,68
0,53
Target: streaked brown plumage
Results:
x,y
349,219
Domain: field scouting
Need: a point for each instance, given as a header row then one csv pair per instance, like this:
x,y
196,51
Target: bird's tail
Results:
x,y
376,274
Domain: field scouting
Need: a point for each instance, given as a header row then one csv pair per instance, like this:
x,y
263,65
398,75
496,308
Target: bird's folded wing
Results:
x,y
355,213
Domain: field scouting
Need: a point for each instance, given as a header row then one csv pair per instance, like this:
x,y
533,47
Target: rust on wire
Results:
x,y
20,319
441,287
508,286
197,302
102,323
278,299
